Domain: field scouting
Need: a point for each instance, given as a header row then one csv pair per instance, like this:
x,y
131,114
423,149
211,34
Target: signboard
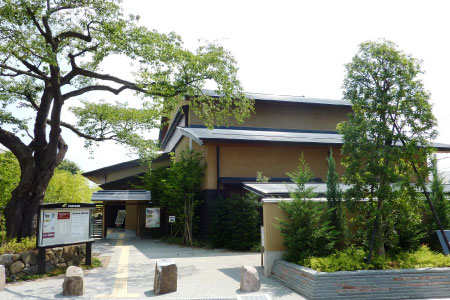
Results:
x,y
152,217
120,217
62,223
171,219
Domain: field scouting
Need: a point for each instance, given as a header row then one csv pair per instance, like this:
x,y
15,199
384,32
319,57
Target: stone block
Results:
x,y
16,267
30,270
165,276
6,260
2,278
58,252
29,258
249,279
16,257
73,284
49,255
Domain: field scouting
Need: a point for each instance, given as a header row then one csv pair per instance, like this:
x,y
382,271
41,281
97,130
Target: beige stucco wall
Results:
x,y
209,153
131,216
101,179
291,116
244,160
273,241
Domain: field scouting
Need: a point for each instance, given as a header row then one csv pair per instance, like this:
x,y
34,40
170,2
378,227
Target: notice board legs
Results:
x,y
88,253
41,261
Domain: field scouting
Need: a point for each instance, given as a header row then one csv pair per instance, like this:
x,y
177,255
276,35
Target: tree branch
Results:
x,y
21,151
33,68
93,88
62,150
81,134
21,72
73,34
35,22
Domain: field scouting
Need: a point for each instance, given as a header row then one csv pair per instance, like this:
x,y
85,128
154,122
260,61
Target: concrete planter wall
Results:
x,y
26,263
367,284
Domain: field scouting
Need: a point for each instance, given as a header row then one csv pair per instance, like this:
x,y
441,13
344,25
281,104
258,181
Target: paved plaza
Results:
x,y
129,266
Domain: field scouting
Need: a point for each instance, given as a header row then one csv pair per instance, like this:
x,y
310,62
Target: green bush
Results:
x,y
308,231
12,246
235,223
352,259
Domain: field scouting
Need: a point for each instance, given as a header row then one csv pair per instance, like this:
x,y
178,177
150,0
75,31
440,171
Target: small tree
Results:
x,y
307,232
181,189
338,219
386,138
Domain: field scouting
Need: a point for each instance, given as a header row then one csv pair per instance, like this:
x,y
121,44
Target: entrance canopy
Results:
x,y
131,203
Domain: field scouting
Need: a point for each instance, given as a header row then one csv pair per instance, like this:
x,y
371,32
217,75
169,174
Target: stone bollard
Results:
x,y
73,282
249,279
165,276
2,278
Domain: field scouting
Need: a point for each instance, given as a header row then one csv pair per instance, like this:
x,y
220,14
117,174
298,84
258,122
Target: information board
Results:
x,y
152,217
61,224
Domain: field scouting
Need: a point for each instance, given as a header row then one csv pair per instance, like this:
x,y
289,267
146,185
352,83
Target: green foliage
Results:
x,y
261,178
352,259
12,246
338,218
389,129
180,190
67,165
77,37
154,180
308,232
442,206
9,177
65,187
235,223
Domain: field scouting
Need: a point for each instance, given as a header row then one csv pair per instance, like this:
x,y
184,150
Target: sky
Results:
x,y
295,48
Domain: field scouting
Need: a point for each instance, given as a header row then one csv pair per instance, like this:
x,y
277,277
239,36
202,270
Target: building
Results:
x,y
270,141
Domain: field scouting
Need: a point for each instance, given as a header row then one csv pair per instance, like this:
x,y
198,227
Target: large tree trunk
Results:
x,y
22,210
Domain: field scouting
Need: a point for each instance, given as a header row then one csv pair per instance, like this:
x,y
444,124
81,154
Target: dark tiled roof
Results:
x,y
287,99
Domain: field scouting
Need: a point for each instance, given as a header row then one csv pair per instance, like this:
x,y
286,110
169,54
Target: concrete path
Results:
x,y
129,271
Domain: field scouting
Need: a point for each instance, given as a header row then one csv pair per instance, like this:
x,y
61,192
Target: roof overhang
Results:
x,y
119,196
272,190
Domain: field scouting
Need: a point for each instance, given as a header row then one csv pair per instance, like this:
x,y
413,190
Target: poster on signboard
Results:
x,y
152,217
48,230
120,217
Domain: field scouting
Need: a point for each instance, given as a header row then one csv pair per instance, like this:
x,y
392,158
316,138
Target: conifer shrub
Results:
x,y
308,231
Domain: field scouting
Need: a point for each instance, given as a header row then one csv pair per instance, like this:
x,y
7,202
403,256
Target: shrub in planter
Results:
x,y
308,231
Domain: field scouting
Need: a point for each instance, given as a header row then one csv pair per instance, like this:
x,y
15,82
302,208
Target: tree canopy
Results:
x,y
387,137
52,51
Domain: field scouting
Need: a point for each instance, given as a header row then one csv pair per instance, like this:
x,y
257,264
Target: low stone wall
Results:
x,y
27,264
366,284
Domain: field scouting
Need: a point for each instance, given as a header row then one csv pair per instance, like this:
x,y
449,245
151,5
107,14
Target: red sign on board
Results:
x,y
63,215
48,235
